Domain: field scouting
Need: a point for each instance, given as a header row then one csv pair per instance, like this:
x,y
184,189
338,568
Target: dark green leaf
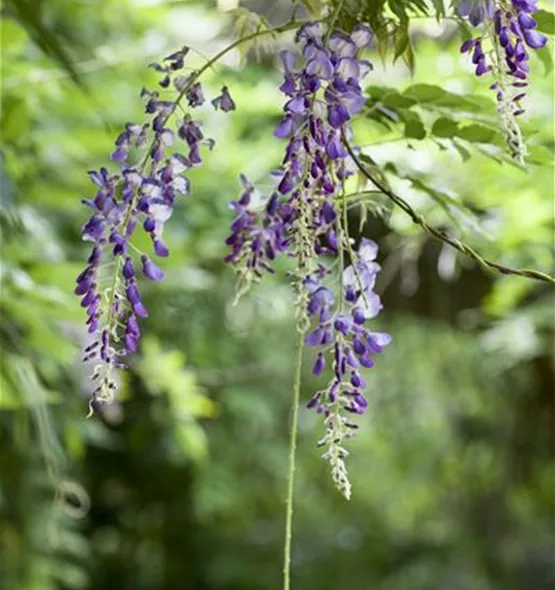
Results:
x,y
397,101
477,134
401,42
414,128
445,127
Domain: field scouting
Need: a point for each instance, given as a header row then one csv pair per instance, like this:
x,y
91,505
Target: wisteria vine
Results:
x,y
303,218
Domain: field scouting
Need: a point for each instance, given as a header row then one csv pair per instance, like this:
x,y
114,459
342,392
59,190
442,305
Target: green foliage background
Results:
x,y
453,470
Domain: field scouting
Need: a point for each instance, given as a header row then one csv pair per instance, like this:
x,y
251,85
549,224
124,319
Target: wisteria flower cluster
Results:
x,y
510,29
342,335
151,177
301,218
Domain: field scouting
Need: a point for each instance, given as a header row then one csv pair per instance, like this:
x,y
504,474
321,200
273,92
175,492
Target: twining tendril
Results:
x,y
441,236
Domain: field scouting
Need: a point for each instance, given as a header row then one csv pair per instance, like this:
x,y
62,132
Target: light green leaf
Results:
x,y
546,21
424,93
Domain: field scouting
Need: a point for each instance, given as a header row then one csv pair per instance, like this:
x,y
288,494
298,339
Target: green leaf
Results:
x,y
396,100
401,42
440,7
445,127
538,154
414,128
544,55
378,92
464,153
424,93
546,21
477,134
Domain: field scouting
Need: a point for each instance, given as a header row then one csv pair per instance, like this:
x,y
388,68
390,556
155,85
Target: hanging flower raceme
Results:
x,y
510,29
153,158
302,217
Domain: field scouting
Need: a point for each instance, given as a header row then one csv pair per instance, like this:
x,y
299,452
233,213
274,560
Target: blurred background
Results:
x,y
180,484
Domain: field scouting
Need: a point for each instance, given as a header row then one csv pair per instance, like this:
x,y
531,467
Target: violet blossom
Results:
x,y
301,217
154,159
512,29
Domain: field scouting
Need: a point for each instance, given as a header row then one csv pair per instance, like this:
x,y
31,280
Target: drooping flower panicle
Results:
x,y
510,29
302,217
151,177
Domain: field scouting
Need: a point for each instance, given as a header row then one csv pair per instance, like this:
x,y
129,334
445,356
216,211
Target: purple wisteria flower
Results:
x,y
152,176
301,218
476,10
510,28
514,29
323,92
342,332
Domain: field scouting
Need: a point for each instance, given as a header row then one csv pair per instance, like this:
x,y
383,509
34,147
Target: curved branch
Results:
x,y
441,236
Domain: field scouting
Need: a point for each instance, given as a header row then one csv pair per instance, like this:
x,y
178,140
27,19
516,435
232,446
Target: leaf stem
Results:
x,y
291,467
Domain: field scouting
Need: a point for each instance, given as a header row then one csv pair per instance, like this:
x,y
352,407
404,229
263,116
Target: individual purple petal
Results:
x,y
342,45
356,380
361,400
482,67
467,46
534,39
477,15
289,60
140,310
151,270
313,401
359,317
285,127
319,365
368,250
224,101
526,21
128,271
93,229
347,67
314,338
342,324
288,86
380,339
133,325
362,35
130,341
160,249
366,361
286,185
338,115
296,105
320,66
